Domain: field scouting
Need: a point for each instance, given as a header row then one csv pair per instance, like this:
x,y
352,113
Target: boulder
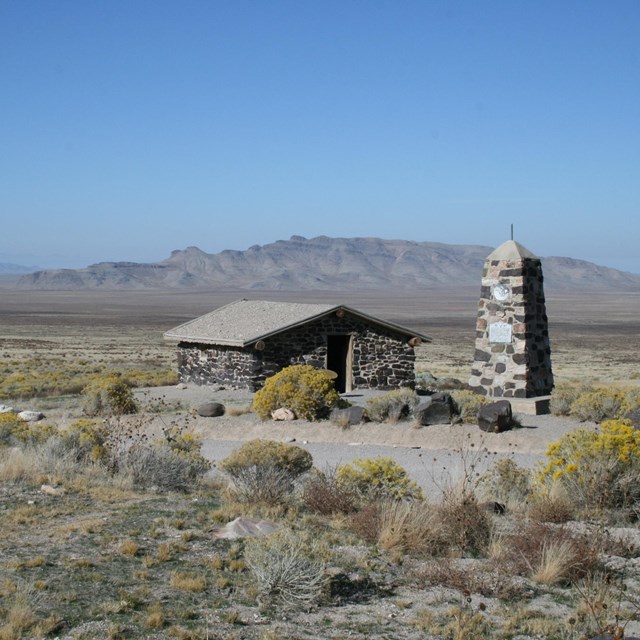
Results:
x,y
436,409
181,385
210,410
347,417
283,414
496,416
31,416
5,408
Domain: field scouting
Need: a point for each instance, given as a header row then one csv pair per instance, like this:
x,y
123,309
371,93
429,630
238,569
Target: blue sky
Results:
x,y
129,128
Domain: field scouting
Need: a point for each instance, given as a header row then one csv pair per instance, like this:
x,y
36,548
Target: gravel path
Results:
x,y
434,456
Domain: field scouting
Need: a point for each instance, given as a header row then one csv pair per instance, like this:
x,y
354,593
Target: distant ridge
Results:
x,y
322,263
8,268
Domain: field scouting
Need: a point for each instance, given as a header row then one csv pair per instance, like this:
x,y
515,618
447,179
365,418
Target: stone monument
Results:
x,y
512,356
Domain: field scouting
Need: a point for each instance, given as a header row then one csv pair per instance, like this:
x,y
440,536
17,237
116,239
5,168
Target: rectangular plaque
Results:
x,y
500,332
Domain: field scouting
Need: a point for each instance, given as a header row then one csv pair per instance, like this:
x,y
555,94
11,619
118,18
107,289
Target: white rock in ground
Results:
x,y
5,408
31,416
283,414
51,491
244,527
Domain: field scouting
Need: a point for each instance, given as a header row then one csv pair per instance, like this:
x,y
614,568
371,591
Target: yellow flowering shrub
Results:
x,y
14,431
109,395
307,391
258,453
383,477
598,468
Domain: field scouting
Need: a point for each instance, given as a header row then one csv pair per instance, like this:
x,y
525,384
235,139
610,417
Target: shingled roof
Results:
x,y
244,322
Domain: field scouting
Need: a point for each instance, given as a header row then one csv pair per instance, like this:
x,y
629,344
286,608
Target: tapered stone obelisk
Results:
x,y
512,356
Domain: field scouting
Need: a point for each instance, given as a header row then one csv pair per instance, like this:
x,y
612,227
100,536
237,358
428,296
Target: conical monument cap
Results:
x,y
511,250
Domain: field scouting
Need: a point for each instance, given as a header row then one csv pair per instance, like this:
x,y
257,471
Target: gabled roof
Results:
x,y
244,322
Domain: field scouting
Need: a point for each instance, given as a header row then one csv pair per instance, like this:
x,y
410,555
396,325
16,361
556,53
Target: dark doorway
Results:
x,y
339,360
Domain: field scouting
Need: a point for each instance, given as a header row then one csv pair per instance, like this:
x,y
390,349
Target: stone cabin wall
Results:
x,y
381,358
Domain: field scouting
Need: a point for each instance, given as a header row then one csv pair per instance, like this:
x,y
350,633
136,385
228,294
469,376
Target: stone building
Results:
x,y
242,343
512,355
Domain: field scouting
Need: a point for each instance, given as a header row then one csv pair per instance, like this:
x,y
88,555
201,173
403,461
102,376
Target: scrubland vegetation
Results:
x,y
107,529
109,532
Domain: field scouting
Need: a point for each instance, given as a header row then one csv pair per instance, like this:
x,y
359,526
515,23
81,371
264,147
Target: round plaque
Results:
x,y
501,292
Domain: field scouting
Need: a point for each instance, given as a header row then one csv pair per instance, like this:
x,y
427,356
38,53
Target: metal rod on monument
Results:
x,y
512,230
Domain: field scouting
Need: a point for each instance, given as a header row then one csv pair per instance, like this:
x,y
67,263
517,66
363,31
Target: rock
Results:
x,y
283,414
31,416
496,416
399,412
181,385
51,491
5,409
347,417
210,410
289,440
436,409
244,527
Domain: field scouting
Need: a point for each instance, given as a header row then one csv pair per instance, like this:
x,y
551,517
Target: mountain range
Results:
x,y
322,263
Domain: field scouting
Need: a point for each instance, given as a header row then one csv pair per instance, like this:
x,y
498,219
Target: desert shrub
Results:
x,y
109,395
15,431
506,482
377,478
160,466
467,404
392,406
307,391
599,469
287,569
598,404
563,397
465,523
265,470
324,494
86,438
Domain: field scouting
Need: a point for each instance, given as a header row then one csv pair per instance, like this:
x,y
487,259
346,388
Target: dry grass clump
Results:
x,y
550,554
287,569
410,527
467,404
393,406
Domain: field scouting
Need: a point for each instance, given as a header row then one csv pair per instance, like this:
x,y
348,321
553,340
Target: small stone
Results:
x,y
5,408
181,385
51,491
31,416
283,414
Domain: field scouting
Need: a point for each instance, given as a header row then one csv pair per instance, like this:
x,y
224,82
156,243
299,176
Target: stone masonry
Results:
x,y
512,355
380,358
